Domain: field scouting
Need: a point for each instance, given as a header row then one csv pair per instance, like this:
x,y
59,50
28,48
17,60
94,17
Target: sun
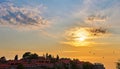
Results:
x,y
81,35
78,37
81,39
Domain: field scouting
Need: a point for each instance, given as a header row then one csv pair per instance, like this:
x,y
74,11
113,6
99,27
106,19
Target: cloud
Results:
x,y
87,32
96,19
97,31
76,43
70,51
48,34
93,11
22,18
84,36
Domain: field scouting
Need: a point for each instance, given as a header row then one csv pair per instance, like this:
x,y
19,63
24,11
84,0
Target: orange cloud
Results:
x,y
83,36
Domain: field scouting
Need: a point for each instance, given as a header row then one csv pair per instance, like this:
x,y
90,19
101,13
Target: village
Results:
x,y
33,61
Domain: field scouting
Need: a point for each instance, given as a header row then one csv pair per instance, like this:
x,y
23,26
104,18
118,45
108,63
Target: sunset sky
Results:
x,y
85,29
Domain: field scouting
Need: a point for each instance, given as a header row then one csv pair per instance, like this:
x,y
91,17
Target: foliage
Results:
x,y
3,60
73,65
16,57
29,55
57,57
118,64
87,65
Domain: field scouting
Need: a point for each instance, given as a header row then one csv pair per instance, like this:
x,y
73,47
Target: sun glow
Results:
x,y
78,37
81,39
81,34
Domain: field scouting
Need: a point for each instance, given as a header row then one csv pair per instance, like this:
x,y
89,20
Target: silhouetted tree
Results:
x,y
87,65
29,55
46,55
73,65
57,57
26,55
3,59
76,60
34,56
16,57
118,64
50,56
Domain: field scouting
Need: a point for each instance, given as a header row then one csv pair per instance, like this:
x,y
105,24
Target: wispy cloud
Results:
x,y
96,18
48,34
22,18
95,23
93,11
70,51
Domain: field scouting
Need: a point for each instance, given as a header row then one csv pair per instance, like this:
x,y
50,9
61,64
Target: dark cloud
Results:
x,y
96,18
98,25
21,17
97,31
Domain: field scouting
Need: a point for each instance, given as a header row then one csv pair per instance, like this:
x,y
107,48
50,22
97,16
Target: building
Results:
x,y
43,63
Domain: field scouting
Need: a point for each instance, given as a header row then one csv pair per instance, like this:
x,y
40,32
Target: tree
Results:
x,y
46,55
57,57
16,57
20,66
118,64
26,55
49,56
87,65
73,65
34,56
3,59
29,55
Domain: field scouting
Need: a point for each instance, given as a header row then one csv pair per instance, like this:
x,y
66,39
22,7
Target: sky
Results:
x,y
85,29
